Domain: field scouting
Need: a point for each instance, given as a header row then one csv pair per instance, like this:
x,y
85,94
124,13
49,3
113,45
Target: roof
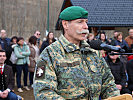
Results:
x,y
107,13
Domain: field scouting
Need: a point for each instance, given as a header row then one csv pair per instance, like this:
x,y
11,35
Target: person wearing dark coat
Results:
x,y
90,37
49,40
6,79
129,67
13,43
118,72
5,45
121,42
32,57
102,36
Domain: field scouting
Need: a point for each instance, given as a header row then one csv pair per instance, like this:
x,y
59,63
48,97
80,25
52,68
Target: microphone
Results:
x,y
98,45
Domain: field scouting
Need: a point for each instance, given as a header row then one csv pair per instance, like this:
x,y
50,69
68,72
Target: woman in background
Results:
x,y
34,55
102,36
49,40
22,52
90,37
13,43
121,42
119,72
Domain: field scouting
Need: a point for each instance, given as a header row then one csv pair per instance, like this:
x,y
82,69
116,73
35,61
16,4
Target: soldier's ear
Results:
x,y
65,24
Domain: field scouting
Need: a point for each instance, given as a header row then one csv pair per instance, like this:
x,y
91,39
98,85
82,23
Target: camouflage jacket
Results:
x,y
67,71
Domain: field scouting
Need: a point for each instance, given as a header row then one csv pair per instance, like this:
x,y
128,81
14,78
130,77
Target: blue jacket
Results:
x,y
2,42
122,44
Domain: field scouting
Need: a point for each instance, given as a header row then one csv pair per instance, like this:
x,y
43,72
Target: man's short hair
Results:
x,y
1,50
2,31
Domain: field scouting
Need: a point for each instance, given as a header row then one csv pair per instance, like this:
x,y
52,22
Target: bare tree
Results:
x,y
23,17
3,26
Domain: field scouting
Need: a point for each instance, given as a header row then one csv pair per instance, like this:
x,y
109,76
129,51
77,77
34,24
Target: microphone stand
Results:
x,y
120,53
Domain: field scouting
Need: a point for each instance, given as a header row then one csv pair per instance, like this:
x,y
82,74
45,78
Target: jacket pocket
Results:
x,y
70,64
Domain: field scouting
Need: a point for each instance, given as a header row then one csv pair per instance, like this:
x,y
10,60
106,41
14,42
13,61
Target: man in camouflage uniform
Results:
x,y
69,68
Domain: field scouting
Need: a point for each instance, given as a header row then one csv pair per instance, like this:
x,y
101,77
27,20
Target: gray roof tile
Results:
x,y
107,12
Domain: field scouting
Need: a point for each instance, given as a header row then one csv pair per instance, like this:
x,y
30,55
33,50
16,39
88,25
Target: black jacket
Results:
x,y
129,67
8,77
44,45
118,71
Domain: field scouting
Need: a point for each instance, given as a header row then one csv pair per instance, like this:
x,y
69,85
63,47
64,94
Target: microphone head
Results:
x,y
95,44
98,45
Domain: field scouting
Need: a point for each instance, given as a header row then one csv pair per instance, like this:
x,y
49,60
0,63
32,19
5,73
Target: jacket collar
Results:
x,y
117,60
70,47
2,66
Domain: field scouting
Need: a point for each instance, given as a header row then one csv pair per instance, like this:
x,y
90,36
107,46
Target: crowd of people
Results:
x,y
20,55
120,65
28,53
66,61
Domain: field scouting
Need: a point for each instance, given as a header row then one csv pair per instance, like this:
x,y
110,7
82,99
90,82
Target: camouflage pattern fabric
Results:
x,y
66,71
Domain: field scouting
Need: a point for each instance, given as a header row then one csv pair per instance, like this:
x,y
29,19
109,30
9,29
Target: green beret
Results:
x,y
73,12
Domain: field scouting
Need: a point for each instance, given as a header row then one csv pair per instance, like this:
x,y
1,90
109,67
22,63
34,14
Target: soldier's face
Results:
x,y
2,57
76,29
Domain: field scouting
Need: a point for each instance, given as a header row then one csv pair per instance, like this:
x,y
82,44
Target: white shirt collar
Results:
x,y
2,66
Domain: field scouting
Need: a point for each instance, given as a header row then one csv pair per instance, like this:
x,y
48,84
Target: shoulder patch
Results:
x,y
40,72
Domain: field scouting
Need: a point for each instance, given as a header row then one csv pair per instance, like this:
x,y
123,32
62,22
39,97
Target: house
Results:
x,y
107,15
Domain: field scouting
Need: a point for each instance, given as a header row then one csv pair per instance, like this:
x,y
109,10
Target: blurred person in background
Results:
x,y
13,43
119,72
129,39
90,37
37,34
102,36
22,52
129,67
112,40
34,55
121,42
123,59
5,45
130,57
49,40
